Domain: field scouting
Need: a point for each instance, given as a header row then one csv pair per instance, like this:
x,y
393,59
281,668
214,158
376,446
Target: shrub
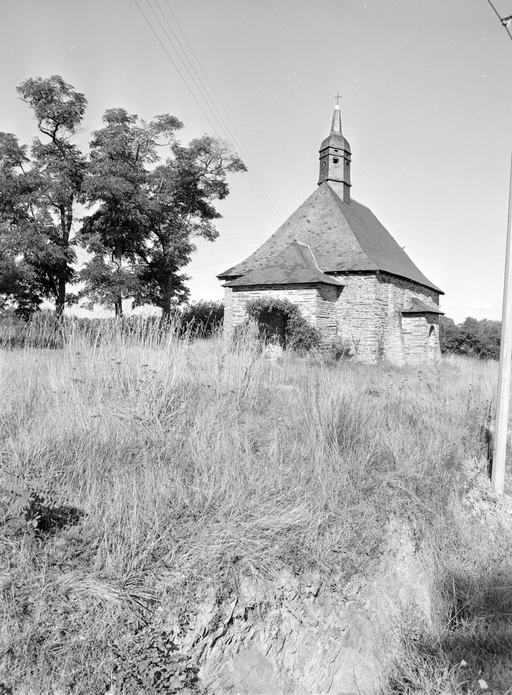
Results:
x,y
300,335
41,330
339,349
202,318
151,662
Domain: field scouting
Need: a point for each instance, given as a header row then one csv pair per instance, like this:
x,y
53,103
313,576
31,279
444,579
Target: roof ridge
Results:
x,y
313,257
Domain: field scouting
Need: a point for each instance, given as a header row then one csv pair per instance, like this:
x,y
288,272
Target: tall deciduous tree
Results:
x,y
25,252
38,197
14,207
182,192
146,212
115,233
60,166
141,236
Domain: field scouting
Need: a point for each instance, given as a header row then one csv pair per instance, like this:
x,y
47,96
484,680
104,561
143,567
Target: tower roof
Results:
x,y
335,138
343,238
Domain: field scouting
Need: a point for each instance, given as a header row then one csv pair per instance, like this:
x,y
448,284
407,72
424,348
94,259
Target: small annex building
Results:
x,y
351,280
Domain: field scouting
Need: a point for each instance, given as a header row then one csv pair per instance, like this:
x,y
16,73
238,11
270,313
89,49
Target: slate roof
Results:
x,y
343,238
295,264
416,306
336,139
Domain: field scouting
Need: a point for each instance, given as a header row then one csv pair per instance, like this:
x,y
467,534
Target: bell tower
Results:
x,y
335,158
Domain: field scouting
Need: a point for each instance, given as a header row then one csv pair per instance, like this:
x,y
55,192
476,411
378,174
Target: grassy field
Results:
x,y
138,468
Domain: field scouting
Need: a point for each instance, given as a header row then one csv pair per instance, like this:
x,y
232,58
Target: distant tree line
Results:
x,y
472,337
144,211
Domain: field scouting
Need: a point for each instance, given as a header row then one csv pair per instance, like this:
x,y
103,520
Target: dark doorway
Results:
x,y
272,325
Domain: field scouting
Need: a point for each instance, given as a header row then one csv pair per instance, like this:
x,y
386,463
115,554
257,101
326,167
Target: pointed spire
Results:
x,y
336,121
335,158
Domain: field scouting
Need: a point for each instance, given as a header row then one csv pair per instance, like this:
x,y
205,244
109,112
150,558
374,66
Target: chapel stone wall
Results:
x,y
366,314
370,321
316,303
421,338
407,340
326,314
361,314
236,299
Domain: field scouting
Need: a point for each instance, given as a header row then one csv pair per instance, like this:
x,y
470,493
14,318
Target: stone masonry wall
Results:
x,y
317,304
326,314
369,312
421,338
361,313
366,314
434,346
397,346
229,322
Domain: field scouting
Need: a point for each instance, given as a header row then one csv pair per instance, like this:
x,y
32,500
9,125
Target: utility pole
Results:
x,y
503,398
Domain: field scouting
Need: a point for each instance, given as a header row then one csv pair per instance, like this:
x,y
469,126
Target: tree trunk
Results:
x,y
60,300
118,307
118,259
166,298
66,220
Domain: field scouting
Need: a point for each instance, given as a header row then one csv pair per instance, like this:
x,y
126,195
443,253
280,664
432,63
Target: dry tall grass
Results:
x,y
190,463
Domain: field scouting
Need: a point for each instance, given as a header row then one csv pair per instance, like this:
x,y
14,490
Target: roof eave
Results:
x,y
281,283
430,286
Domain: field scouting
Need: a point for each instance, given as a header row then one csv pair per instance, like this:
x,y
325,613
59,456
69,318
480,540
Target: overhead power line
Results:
x,y
217,113
237,134
505,21
176,67
214,111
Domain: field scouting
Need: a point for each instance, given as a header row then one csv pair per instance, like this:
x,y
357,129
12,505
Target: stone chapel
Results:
x,y
336,261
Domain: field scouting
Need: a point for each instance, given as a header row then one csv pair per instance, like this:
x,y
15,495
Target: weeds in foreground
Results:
x,y
470,652
190,464
45,331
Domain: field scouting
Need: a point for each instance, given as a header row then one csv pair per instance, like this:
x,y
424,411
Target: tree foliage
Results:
x,y
472,337
145,210
202,319
18,227
115,233
182,192
141,235
56,177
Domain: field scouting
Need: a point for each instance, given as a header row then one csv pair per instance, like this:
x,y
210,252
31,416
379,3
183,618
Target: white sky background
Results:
x,y
426,105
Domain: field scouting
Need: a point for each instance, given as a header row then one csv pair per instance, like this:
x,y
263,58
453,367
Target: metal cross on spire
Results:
x,y
337,97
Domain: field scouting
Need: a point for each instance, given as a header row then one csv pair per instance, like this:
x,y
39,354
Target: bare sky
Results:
x,y
426,104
